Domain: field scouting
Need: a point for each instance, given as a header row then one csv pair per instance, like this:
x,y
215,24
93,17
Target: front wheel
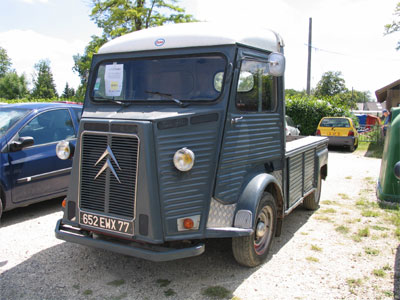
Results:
x,y
251,251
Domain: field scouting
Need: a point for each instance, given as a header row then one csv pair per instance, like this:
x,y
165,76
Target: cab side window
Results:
x,y
49,127
256,90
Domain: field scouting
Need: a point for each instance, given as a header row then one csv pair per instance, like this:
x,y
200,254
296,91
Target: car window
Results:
x,y
256,88
9,116
335,122
48,127
78,113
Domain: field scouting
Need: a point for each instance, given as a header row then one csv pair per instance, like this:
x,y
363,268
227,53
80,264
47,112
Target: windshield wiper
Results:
x,y
122,103
169,96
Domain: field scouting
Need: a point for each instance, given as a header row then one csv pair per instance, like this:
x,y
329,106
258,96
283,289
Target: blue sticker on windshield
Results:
x,y
159,42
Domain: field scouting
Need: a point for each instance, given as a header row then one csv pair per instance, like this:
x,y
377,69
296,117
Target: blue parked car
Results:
x,y
29,168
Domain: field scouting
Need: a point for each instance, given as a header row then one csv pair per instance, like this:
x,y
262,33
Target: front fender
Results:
x,y
246,208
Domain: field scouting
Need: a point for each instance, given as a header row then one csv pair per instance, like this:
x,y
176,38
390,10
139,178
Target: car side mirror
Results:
x,y
21,143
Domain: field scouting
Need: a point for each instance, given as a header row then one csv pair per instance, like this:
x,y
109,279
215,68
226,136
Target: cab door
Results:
x,y
254,132
36,172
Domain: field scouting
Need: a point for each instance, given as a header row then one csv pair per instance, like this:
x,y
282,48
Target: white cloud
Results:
x,y
27,47
34,1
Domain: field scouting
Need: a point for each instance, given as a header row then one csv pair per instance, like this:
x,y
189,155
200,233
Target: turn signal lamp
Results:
x,y
184,159
318,132
64,203
351,133
188,223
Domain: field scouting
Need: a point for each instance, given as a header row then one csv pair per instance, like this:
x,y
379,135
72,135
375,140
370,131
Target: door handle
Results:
x,y
236,120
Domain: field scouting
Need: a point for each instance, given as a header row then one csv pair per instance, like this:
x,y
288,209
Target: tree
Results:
x,y
330,84
43,83
395,25
118,17
13,86
5,62
68,92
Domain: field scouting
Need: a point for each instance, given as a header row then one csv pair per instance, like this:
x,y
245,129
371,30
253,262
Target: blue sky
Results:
x,y
347,35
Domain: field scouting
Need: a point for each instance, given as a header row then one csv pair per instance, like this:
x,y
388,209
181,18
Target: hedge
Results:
x,y
23,100
308,111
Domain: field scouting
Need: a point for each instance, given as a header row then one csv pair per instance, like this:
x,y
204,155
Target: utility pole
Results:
x,y
309,57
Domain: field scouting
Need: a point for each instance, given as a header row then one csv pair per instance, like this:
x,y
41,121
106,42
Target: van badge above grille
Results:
x,y
108,163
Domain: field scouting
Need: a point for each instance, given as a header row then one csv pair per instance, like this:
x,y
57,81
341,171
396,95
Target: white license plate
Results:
x,y
107,223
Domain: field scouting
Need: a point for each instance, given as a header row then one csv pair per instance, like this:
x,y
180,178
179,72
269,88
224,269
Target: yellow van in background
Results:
x,y
340,132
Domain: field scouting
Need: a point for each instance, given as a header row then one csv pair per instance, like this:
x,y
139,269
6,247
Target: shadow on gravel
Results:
x,y
32,211
71,271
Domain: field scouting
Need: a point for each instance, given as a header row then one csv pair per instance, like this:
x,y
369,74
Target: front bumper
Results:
x,y
72,234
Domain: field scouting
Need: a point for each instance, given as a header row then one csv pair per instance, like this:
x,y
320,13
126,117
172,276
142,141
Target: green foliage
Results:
x,y
395,25
5,62
43,83
117,18
23,100
307,111
13,86
68,92
330,84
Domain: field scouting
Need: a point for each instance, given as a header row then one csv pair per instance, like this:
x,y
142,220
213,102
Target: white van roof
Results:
x,y
198,34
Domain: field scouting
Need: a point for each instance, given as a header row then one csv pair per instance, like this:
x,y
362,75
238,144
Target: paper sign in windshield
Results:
x,y
113,78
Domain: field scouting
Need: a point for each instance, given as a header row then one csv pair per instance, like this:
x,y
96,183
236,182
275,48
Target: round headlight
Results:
x,y
63,150
184,159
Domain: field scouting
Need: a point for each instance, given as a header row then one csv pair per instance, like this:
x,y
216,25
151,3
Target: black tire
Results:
x,y
251,251
311,202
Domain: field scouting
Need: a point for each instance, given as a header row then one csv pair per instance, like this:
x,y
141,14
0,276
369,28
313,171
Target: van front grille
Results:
x,y
108,171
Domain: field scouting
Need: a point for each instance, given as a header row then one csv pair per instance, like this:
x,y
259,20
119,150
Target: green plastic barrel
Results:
x,y
388,188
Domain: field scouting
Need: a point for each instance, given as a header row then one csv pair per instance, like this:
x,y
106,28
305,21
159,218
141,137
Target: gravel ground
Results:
x,y
320,255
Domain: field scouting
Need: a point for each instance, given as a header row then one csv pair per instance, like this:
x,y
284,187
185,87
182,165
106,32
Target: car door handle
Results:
x,y
236,120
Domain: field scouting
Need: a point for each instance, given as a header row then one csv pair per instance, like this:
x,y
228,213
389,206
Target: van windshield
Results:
x,y
10,116
191,78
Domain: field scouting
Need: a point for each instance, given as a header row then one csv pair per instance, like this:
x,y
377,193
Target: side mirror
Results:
x,y
276,64
397,170
21,143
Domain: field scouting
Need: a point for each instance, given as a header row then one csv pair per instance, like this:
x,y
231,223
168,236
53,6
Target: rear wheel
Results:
x,y
251,251
311,202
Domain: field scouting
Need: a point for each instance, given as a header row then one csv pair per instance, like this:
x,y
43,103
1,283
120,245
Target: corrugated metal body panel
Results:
x,y
309,170
255,139
186,193
295,178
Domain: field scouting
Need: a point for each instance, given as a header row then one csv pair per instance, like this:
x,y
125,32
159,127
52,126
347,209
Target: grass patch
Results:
x,y
370,213
163,282
316,248
354,282
356,238
388,294
371,251
379,273
344,196
348,177
87,292
169,293
353,221
327,211
364,232
116,283
387,267
371,149
217,292
379,228
120,297
304,233
323,218
342,229
312,259
329,202
76,286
